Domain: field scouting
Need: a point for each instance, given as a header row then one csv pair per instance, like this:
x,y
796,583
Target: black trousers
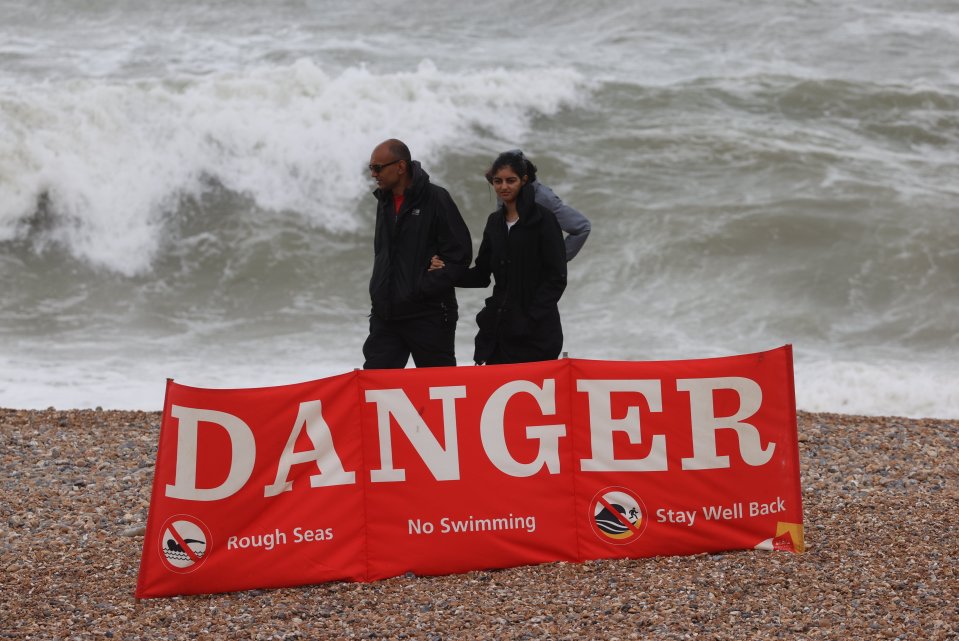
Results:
x,y
428,339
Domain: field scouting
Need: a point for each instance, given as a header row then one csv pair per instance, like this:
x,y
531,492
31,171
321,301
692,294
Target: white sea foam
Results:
x,y
847,387
878,388
113,159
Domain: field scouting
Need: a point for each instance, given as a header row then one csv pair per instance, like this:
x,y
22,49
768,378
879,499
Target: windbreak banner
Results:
x,y
376,473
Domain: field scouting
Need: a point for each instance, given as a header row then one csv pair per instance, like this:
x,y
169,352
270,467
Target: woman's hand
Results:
x,y
436,263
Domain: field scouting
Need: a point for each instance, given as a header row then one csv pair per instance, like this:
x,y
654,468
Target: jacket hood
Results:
x,y
420,179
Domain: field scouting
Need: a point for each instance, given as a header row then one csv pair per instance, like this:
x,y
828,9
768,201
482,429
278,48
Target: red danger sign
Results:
x,y
376,473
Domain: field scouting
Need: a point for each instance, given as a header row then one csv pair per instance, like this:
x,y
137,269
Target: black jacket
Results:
x,y
428,224
520,321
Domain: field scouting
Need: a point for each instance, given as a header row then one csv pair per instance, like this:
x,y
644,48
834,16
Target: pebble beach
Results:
x,y
881,562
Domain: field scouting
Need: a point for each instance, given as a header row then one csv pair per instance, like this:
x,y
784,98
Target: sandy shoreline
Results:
x,y
880,502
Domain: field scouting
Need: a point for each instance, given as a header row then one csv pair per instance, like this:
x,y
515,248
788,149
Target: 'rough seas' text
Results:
x,y
278,537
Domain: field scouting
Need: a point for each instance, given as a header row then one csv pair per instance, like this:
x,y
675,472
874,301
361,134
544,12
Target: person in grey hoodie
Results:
x,y
571,221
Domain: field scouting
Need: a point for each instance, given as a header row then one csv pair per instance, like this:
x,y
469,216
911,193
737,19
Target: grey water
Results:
x,y
182,190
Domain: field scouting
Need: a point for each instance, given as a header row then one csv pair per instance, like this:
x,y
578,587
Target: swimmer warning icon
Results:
x,y
184,543
618,516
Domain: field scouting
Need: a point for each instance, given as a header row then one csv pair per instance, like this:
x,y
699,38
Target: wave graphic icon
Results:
x,y
617,515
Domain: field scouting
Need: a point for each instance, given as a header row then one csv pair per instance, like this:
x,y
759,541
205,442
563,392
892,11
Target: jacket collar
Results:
x,y
420,179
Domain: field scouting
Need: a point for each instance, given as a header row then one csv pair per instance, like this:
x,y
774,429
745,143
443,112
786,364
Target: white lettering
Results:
x,y
265,541
324,453
705,423
471,524
419,527
301,535
763,509
676,516
442,462
242,454
722,512
493,433
603,425
441,454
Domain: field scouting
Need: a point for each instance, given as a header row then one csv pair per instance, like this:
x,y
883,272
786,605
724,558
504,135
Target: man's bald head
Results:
x,y
390,165
397,149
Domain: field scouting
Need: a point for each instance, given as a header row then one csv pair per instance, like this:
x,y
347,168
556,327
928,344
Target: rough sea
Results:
x,y
183,190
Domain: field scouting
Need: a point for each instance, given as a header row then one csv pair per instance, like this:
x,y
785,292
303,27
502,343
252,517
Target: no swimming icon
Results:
x,y
183,543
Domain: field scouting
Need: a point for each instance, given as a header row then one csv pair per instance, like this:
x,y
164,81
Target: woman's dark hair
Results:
x,y
515,160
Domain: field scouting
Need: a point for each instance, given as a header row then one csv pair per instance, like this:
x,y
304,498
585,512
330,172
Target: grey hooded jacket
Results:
x,y
573,223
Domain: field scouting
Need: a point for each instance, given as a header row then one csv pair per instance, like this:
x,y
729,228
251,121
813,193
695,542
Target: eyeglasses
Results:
x,y
375,169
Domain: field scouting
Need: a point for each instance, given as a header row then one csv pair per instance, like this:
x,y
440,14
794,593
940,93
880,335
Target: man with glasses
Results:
x,y
414,310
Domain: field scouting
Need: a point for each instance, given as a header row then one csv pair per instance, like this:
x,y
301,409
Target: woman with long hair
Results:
x,y
524,254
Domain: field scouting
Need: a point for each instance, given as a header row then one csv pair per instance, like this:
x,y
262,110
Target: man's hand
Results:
x,y
436,263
